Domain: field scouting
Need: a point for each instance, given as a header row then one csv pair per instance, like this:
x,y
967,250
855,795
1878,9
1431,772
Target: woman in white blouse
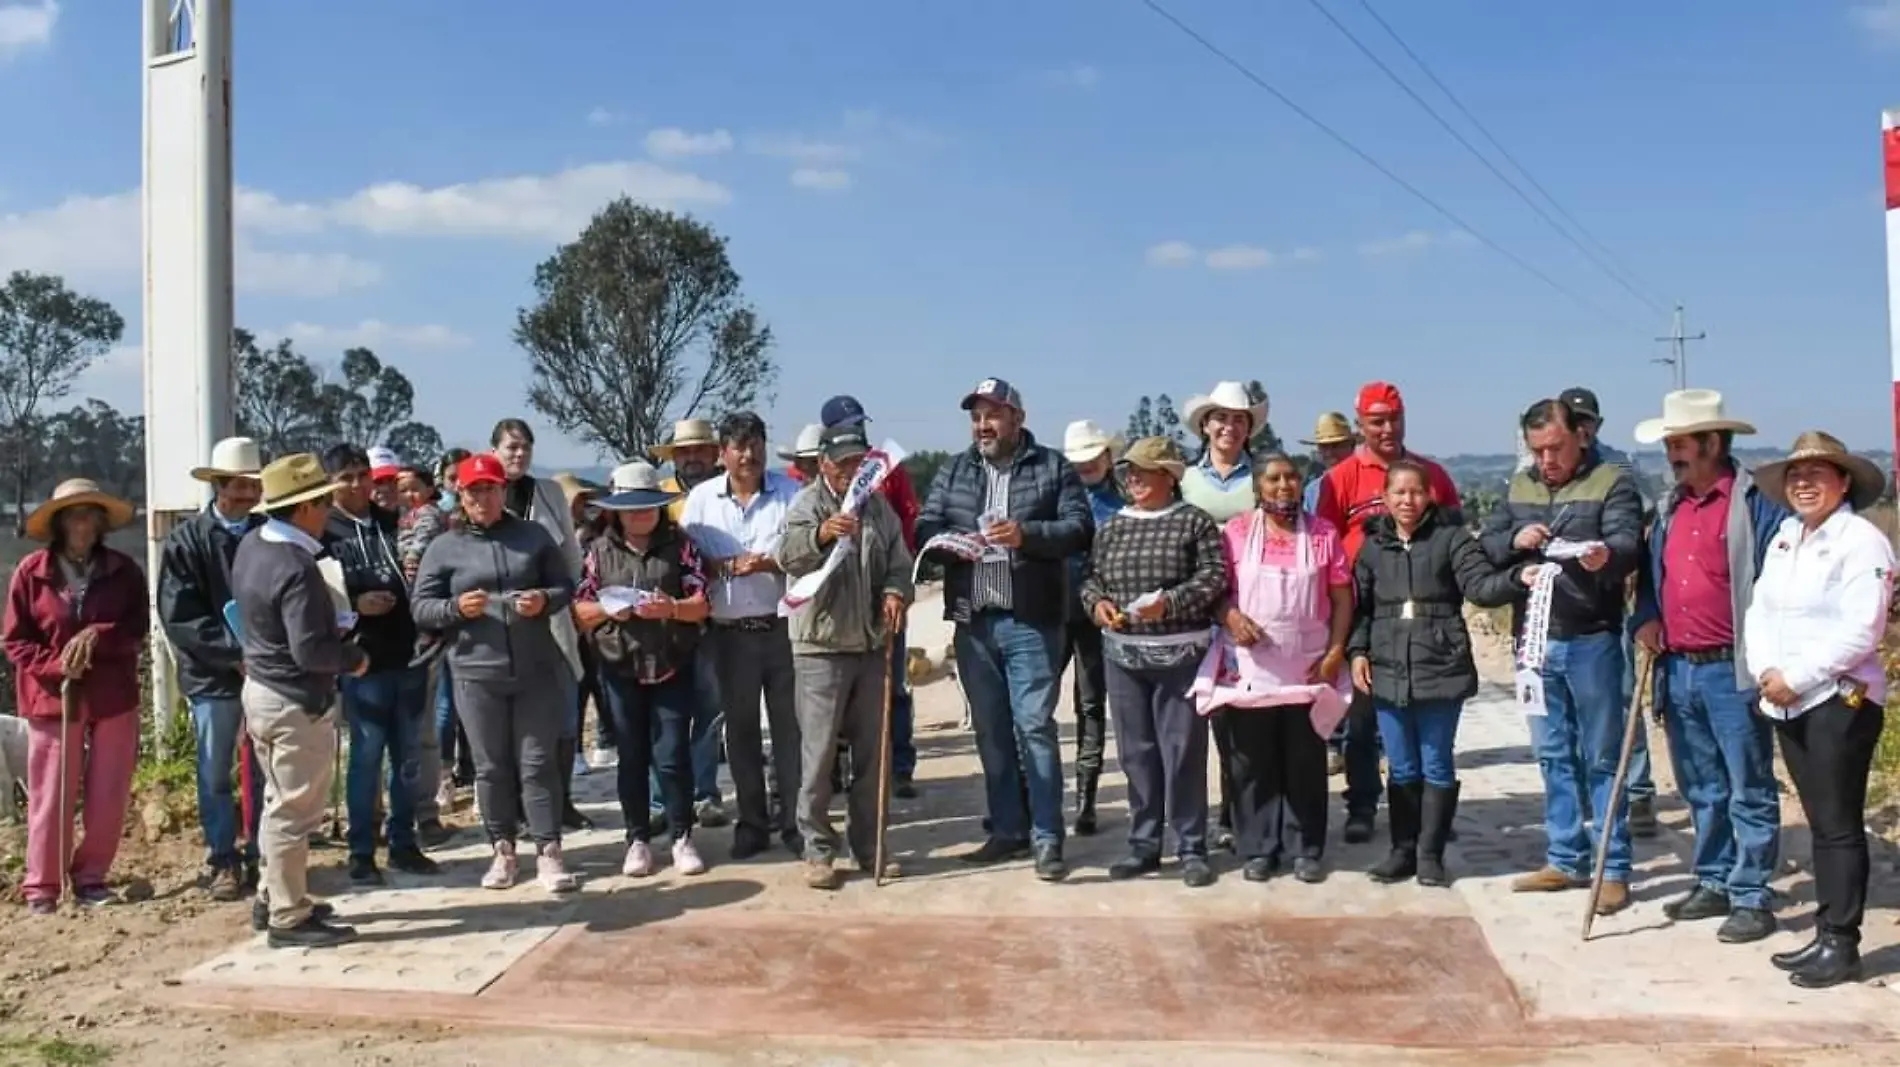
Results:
x,y
1813,636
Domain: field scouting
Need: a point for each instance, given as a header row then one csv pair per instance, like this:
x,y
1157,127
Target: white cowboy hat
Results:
x,y
1084,442
233,457
635,486
72,493
1688,411
1225,396
807,444
686,433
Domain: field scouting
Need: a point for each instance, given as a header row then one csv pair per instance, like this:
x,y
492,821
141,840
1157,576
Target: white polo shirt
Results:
x,y
1819,610
721,529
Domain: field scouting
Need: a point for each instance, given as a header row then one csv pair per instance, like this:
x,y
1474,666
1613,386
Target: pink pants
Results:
x,y
102,774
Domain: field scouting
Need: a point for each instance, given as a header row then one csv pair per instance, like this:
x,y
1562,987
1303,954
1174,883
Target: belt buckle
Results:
x,y
1406,610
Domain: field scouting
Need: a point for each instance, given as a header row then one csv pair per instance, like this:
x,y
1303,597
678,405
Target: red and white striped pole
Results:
x,y
1890,154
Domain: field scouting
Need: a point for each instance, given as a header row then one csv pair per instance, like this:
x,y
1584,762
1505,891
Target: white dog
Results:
x,y
12,765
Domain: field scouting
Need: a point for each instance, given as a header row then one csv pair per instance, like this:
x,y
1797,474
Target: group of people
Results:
x,y
1271,604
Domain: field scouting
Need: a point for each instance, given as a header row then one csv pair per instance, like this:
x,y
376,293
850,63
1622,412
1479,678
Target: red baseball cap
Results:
x,y
482,468
1380,398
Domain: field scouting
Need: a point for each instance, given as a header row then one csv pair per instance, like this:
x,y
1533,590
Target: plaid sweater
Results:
x,y
1176,550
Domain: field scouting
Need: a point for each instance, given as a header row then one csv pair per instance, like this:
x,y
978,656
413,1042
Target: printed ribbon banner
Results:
x,y
877,466
968,547
1535,640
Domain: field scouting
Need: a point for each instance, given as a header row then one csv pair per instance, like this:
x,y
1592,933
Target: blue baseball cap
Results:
x,y
843,411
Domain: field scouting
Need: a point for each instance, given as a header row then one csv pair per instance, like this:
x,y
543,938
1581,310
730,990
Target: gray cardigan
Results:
x,y
511,556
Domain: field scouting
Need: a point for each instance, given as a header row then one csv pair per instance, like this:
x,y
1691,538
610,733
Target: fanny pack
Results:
x,y
1155,653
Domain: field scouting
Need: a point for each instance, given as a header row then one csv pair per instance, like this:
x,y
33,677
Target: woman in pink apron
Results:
x,y
1275,671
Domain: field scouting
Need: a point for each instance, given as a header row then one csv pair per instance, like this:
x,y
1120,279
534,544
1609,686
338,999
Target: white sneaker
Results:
x,y
603,758
551,872
686,858
501,870
639,861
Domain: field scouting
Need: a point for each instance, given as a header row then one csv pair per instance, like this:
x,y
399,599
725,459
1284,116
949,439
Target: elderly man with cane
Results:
x,y
841,642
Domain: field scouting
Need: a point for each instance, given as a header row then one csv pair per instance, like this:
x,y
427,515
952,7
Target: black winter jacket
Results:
x,y
194,584
1046,499
1408,609
1599,503
371,563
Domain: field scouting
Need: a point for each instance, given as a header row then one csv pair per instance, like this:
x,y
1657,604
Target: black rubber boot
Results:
x,y
571,817
1437,808
1086,783
1402,817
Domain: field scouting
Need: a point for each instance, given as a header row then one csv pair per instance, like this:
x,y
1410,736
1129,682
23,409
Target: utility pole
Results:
x,y
1678,357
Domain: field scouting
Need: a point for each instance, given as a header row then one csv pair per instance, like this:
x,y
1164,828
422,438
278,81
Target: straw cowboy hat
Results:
x,y
635,486
686,434
233,457
1225,396
1333,428
807,444
293,479
1688,411
72,493
1866,481
1156,454
573,487
1084,442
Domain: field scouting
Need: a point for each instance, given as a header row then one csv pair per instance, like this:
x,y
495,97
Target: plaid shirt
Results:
x,y
1176,551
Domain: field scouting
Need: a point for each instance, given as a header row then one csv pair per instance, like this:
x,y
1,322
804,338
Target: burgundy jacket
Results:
x,y
39,622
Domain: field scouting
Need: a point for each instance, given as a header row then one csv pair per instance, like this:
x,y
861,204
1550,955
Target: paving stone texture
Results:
x,y
954,953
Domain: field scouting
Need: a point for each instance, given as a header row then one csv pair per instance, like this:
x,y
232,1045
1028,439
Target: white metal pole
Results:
x,y
212,37
1890,160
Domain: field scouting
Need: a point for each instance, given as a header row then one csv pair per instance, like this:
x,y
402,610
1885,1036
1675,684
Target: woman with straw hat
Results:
x,y
1156,580
640,604
1812,642
75,623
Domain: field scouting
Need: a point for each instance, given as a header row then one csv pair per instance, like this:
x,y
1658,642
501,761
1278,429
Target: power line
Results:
x,y
1261,83
1558,227
1623,268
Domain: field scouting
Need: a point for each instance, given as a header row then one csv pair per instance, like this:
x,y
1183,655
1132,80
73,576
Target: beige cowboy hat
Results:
x,y
1332,428
233,457
1225,396
72,493
1688,411
574,486
1865,480
807,446
686,433
1156,454
1085,441
293,479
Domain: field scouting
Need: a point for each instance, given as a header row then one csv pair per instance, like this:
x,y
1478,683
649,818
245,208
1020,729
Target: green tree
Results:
x,y
922,468
285,402
1264,440
638,322
49,335
1156,417
96,439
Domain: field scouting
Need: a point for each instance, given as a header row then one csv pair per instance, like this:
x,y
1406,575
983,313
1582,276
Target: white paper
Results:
x,y
992,552
1143,601
345,620
1560,549
615,599
1530,693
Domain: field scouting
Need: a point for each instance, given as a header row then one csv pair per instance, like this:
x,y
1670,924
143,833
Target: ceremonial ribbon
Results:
x,y
1534,641
877,466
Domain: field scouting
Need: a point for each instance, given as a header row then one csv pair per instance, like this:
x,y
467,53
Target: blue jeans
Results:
x,y
385,712
1420,741
1008,670
1725,767
219,725
903,711
661,714
1640,782
704,738
1580,742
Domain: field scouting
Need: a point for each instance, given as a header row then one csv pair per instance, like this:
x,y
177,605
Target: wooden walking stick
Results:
x,y
884,765
1639,707
68,712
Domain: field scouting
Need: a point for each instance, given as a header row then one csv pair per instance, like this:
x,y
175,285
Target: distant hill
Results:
x,y
1493,472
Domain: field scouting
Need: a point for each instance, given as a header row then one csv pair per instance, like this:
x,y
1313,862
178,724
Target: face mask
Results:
x,y
1289,510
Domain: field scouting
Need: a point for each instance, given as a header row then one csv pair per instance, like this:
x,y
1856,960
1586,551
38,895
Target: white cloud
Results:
x,y
371,333
552,206
671,142
1171,254
1880,20
305,274
118,378
1415,241
803,150
1076,76
1239,257
600,116
828,181
26,26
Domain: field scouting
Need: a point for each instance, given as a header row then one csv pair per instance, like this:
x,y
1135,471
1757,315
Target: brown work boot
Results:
x,y
225,886
1614,898
820,875
1548,880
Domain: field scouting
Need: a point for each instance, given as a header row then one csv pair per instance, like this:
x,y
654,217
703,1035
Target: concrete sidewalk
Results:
x,y
953,963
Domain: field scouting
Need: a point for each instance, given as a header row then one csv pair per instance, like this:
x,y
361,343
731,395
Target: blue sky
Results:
x,y
1069,194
